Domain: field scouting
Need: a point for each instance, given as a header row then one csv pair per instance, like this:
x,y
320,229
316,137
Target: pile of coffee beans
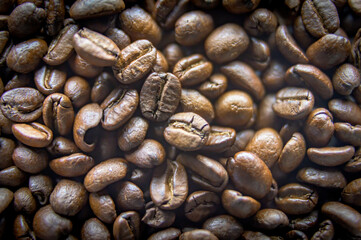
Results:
x,y
180,119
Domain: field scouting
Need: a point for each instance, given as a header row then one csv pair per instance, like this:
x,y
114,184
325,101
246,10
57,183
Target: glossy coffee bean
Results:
x,y
173,53
269,219
30,160
61,146
7,147
238,205
149,153
346,111
166,234
50,80
200,205
325,231
119,37
22,229
292,153
224,227
157,218
83,68
214,87
127,226
6,198
94,229
354,165
330,156
41,187
78,90
345,79
327,178
133,133
220,139
24,201
87,9
103,206
103,85
319,127
166,13
238,7
12,177
33,134
351,193
73,165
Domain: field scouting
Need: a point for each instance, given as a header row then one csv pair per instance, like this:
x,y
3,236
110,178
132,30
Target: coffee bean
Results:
x,y
258,54
7,147
220,139
354,165
330,156
12,177
6,198
351,193
266,117
83,9
103,206
127,225
346,79
169,233
21,228
73,165
200,205
78,90
94,229
269,219
166,13
238,205
156,217
327,178
292,153
61,146
149,153
305,222
49,80
237,7
261,21
41,187
83,68
161,64
302,36
325,231
33,134
159,96
214,87
346,111
192,101
103,85
30,160
24,201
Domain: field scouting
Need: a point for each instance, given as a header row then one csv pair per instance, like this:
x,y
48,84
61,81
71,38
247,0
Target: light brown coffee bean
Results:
x,y
73,165
330,156
33,134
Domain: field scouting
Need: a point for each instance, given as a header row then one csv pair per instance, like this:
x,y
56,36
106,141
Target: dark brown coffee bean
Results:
x,y
22,104
266,117
157,218
49,225
26,56
78,90
329,45
120,38
261,21
85,123
304,222
6,197
267,145
346,111
354,165
167,12
25,20
149,153
193,27
292,153
296,234
21,228
12,177
303,37
159,96
127,226
119,107
83,68
327,178
74,165
83,9
243,76
141,177
33,134
95,48
50,80
295,198
238,205
61,146
133,133
214,87
7,147
192,70
139,24
187,131
351,193
242,139
200,205
41,187
197,234
258,54
103,85
320,17
167,234
246,168
61,47
226,43
312,77
55,17
220,139
135,61
345,79
169,186
348,133
24,201
103,207
326,231
288,47
330,156
269,219
129,197
30,160
293,103
346,216
242,6
58,113
319,127
94,229
161,64
19,80
192,101
5,124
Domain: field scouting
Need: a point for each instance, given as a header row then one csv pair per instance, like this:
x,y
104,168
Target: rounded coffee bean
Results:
x,y
220,139
22,104
33,134
328,178
193,27
83,68
351,194
68,197
61,146
293,103
224,227
354,165
127,226
345,79
200,205
325,231
24,201
167,234
103,207
50,80
30,160
166,13
330,156
149,153
12,177
103,85
7,147
261,21
94,229
73,165
273,75
78,90
348,133
345,111
120,38
187,131
155,217
95,8
105,173
6,197
173,53
21,228
292,153
197,234
41,187
246,168
319,127
226,43
192,101
267,145
161,64
238,7
214,87
159,96
133,133
269,219
238,205
130,197
258,54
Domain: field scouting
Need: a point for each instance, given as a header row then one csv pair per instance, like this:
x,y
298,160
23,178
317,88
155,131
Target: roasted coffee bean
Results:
x,y
269,219
161,64
320,17
326,231
173,53
18,80
33,134
238,205
346,216
200,205
304,222
133,133
166,234
242,139
6,197
192,70
83,68
204,171
167,12
187,131
261,21
169,186
193,27
103,85
7,147
293,103
273,75
61,146
30,160
119,107
303,37
135,61
348,133
85,123
214,87
105,173
58,113
103,206
12,177
258,54
242,6
296,234
327,178
129,197
83,9
220,139
266,117
41,187
351,193
157,218
26,56
73,165
312,77
22,104
49,225
141,177
120,38
78,90
292,153
192,101
345,79
319,127
330,156
21,228
55,17
149,153
329,51
50,80
127,226
246,168
94,229
197,234
159,96
354,165
24,201
95,48
226,43
224,227
346,111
